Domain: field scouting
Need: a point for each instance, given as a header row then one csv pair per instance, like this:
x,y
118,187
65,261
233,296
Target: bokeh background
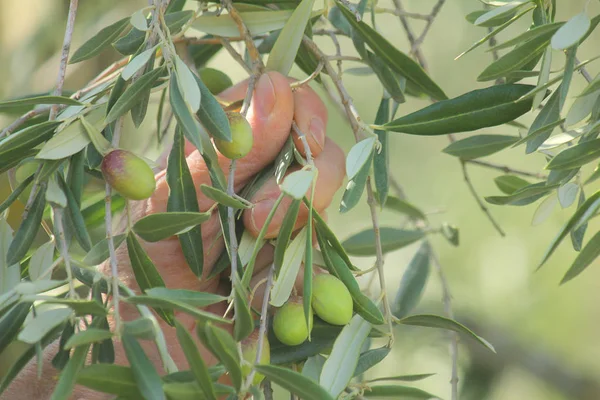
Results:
x,y
547,336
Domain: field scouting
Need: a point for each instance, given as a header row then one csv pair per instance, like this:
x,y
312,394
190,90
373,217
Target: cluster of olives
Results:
x,y
331,301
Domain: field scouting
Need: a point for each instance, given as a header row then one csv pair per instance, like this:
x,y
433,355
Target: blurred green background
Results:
x,y
546,335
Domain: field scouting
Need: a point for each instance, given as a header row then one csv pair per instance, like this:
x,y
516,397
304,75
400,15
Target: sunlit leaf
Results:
x,y
159,226
572,32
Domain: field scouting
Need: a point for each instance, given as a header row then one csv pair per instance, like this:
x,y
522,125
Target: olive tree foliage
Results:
x,y
55,291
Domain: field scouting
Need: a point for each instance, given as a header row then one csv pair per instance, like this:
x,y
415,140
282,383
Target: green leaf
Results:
x,y
159,226
89,336
41,260
403,207
110,378
370,358
222,345
413,282
188,86
285,234
297,183
191,297
11,322
358,156
32,101
211,114
102,145
15,146
66,380
223,198
257,22
323,229
282,288
571,32
496,31
381,159
244,323
15,194
100,253
499,14
147,379
509,184
146,274
138,62
356,186
339,368
576,156
27,230
474,110
435,321
406,378
395,59
524,196
99,41
533,33
134,94
479,146
81,307
303,387
578,233
166,303
131,42
43,323
195,361
281,57
397,391
588,254
363,243
516,58
584,212
76,218
182,197
184,115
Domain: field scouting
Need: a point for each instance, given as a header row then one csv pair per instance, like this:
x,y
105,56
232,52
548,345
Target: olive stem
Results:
x,y
313,75
227,45
262,331
357,126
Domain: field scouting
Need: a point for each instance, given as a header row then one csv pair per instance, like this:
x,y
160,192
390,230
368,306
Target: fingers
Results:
x,y
331,166
310,115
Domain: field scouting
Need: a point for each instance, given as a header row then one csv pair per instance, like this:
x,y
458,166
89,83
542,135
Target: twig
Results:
x,y
355,123
396,12
227,45
262,331
114,270
480,202
447,301
64,250
298,84
492,44
432,15
584,72
245,33
60,80
506,169
415,50
22,119
338,48
345,58
267,389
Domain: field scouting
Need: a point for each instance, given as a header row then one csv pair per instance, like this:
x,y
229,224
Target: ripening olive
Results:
x,y
128,174
249,349
216,81
331,300
241,138
289,323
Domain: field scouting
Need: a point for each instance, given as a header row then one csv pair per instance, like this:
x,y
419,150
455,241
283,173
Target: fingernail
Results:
x,y
260,212
265,95
317,130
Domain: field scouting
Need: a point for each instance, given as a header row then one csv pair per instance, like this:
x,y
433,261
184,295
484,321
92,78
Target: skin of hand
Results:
x,y
273,108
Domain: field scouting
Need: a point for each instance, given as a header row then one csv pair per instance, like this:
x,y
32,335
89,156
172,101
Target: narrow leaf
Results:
x,y
413,282
99,41
159,226
147,379
363,243
296,383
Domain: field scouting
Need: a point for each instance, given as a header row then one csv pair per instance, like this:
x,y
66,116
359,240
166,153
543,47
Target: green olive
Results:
x,y
216,81
289,323
249,349
241,138
128,174
331,300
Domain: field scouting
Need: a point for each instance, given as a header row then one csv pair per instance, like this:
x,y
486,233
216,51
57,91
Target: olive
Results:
x,y
331,300
289,323
249,349
241,137
128,174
